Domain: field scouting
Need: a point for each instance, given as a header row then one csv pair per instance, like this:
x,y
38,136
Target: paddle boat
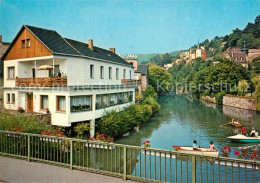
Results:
x,y
238,125
243,138
198,151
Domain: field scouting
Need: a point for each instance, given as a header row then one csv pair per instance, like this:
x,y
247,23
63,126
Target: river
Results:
x,y
183,118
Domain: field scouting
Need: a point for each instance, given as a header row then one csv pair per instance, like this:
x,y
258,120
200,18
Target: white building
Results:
x,y
92,79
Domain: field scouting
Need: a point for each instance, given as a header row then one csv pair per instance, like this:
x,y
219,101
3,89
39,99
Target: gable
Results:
x,y
36,49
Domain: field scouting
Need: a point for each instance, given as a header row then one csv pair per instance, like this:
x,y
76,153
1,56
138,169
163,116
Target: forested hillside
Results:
x,y
250,34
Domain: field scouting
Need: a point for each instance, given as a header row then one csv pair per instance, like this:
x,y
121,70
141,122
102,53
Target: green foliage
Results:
x,y
151,102
114,123
256,80
216,78
149,92
242,87
219,97
251,34
257,96
82,130
159,78
185,73
28,124
162,59
255,66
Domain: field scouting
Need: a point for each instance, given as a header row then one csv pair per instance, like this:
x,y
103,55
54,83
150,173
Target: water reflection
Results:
x,y
183,119
241,114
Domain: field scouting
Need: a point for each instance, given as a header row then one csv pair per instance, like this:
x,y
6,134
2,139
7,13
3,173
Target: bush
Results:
x,y
114,123
219,97
150,101
242,87
22,123
149,92
82,130
257,96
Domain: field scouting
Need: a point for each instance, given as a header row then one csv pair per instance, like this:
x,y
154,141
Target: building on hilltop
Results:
x,y
238,56
193,53
3,48
74,81
199,52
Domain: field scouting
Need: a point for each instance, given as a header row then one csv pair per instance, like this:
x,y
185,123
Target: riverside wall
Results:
x,y
238,102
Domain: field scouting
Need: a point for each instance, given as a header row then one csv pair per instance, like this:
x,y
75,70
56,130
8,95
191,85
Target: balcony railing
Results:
x,y
41,82
130,82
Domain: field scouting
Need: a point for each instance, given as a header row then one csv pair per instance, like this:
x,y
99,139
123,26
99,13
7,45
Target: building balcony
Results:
x,y
130,82
41,82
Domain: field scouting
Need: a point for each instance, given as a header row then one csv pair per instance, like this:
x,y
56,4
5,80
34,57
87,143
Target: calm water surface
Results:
x,y
183,119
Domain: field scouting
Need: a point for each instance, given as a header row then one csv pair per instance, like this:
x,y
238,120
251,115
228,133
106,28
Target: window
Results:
x,y
80,103
101,72
13,98
110,72
61,103
98,101
120,98
92,71
117,73
124,74
10,73
130,74
23,43
28,43
113,99
44,102
126,97
130,96
106,101
8,97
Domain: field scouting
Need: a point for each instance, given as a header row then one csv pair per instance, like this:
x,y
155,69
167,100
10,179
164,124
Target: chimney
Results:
x,y
90,44
1,37
113,50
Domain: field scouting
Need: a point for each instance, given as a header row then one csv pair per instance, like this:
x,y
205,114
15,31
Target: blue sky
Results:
x,y
131,26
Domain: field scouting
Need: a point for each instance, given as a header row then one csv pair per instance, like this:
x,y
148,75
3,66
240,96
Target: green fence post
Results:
x,y
193,169
29,147
71,154
125,163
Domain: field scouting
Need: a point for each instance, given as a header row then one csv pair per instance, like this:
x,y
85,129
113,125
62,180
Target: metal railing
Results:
x,y
127,162
130,82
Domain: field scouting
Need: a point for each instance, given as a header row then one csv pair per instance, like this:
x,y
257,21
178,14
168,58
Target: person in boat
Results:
x,y
243,131
253,132
195,145
234,121
212,147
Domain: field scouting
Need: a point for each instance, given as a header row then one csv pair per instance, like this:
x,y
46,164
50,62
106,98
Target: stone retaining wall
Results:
x,y
242,103
209,99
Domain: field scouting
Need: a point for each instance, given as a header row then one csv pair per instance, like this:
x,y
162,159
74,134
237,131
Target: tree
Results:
x,y
217,78
257,20
257,97
159,78
149,92
255,65
234,37
162,59
242,87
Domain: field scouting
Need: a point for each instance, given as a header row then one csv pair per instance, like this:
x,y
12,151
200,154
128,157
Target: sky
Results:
x,y
130,26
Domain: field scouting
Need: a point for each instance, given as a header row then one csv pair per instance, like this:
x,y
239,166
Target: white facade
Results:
x,y
79,83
